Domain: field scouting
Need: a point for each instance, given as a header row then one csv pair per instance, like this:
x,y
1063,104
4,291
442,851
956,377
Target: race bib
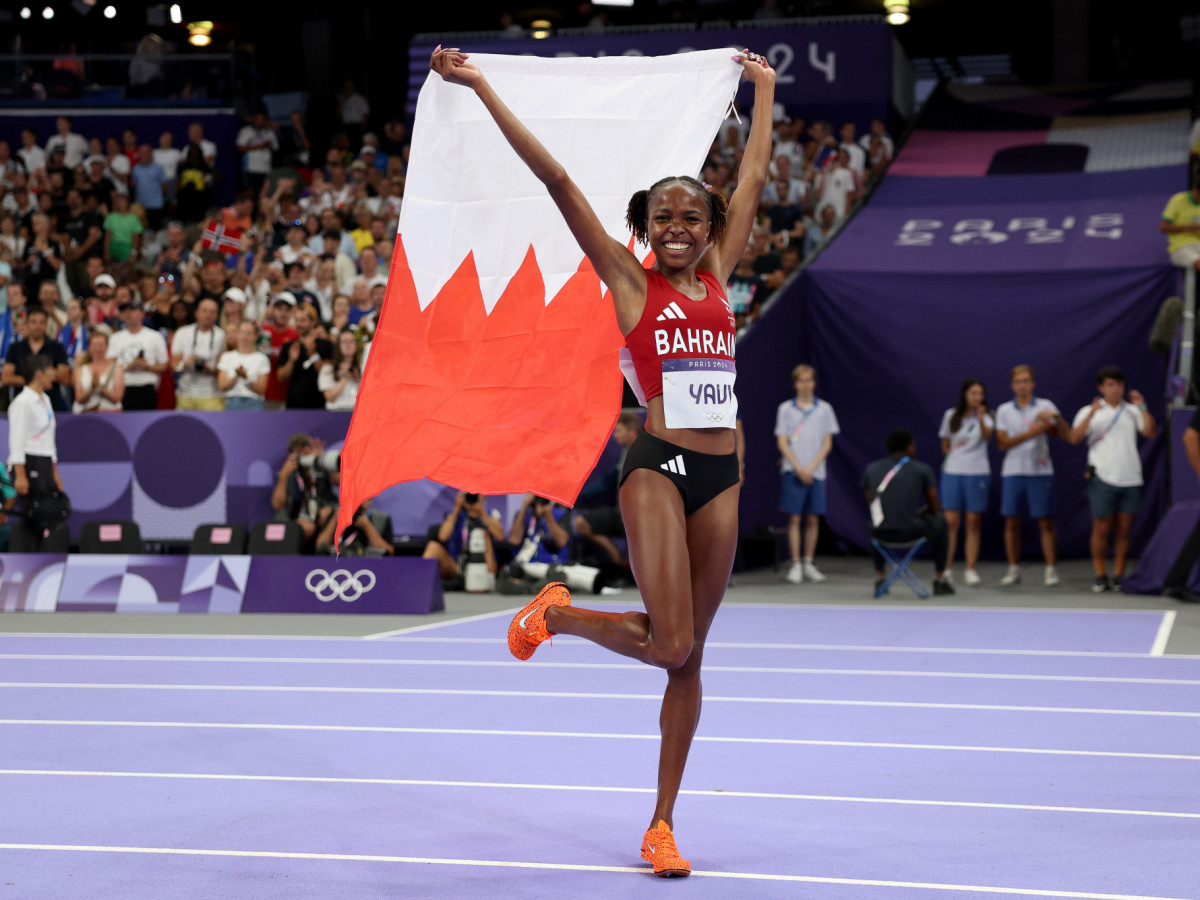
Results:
x,y
698,393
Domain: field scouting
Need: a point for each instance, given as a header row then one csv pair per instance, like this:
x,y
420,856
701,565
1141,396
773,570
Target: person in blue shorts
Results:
x,y
966,473
804,430
1024,426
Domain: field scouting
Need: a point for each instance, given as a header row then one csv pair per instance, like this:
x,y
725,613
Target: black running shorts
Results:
x,y
698,476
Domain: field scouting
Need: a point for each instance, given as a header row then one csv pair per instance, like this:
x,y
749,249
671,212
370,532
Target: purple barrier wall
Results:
x,y
835,71
39,582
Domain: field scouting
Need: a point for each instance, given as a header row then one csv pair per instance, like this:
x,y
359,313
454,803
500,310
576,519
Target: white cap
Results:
x,y
237,295
284,297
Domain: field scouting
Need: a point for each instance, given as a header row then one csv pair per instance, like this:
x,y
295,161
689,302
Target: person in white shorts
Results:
x,y
966,472
1110,424
804,430
1024,426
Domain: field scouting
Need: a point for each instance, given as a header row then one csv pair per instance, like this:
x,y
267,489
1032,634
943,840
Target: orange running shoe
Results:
x,y
528,628
658,847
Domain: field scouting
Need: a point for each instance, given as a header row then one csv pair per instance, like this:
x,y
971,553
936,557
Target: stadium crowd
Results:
x,y
272,300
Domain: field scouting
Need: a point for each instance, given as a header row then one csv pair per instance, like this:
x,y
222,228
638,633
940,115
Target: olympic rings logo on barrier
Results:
x,y
339,584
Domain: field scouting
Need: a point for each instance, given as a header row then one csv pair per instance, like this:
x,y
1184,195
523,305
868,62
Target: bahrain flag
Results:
x,y
494,367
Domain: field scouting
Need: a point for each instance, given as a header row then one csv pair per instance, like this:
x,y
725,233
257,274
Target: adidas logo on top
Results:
x,y
672,311
675,465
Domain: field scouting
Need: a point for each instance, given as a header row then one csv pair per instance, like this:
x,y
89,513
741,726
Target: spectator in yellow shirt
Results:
x,y
1181,224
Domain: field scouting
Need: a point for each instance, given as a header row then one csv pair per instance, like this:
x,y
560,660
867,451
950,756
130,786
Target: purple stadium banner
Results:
x,y
828,70
35,582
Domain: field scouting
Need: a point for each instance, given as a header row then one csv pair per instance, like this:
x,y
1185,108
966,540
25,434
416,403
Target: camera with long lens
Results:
x,y
314,464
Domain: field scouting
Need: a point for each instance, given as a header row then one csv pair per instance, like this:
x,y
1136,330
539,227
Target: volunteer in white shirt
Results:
x,y
804,430
142,352
966,472
195,350
33,456
1023,429
1111,424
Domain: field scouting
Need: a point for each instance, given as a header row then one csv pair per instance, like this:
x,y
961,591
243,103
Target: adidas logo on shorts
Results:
x,y
675,465
671,311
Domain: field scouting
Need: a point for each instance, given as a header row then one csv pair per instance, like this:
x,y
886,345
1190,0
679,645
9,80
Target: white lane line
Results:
x,y
442,624
591,735
584,695
606,789
575,867
639,667
1164,633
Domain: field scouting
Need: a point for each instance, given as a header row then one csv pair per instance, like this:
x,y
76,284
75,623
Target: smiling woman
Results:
x,y
681,477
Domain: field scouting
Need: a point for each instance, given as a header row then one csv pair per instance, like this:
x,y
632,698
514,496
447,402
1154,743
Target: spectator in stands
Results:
x,y
790,257
174,256
447,542
331,221
195,351
196,138
785,215
856,155
9,167
877,158
33,456
339,321
243,372
804,430
50,299
878,133
339,378
301,359
1181,223
12,319
360,295
102,307
767,263
601,523
1175,583
1111,426
295,282
745,288
119,166
295,248
279,331
837,185
98,189
1023,428
194,192
903,498
966,473
232,312
31,155
74,333
36,343
12,241
795,191
819,232
822,146
74,146
99,380
43,253
345,270
323,287
142,353
83,236
123,233
303,492
353,111
149,186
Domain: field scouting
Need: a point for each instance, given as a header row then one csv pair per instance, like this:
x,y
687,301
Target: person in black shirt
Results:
x,y
903,496
43,254
97,187
36,343
83,235
1175,584
300,362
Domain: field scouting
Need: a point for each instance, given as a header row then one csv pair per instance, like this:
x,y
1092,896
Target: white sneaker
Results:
x,y
948,576
794,575
1051,579
1012,577
972,578
812,573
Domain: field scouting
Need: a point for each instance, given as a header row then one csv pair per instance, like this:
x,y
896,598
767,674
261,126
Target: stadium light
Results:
x,y
48,12
110,12
540,28
26,12
176,14
200,33
897,11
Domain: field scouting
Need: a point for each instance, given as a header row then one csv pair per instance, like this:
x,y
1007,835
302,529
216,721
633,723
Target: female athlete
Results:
x,y
679,485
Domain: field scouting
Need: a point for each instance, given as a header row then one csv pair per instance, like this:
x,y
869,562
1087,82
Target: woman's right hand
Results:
x,y
452,65
21,484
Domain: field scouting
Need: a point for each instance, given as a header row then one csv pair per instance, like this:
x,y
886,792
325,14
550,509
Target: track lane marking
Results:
x,y
575,867
504,732
1164,633
604,789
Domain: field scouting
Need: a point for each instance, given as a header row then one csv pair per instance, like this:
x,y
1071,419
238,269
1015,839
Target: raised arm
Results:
x,y
752,174
614,263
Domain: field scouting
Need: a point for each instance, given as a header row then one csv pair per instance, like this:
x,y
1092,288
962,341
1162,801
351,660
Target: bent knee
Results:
x,y
670,654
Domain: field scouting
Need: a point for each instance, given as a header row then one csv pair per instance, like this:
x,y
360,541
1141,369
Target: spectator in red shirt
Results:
x,y
278,328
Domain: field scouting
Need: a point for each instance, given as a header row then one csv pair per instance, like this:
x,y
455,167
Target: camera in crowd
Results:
x,y
470,499
317,464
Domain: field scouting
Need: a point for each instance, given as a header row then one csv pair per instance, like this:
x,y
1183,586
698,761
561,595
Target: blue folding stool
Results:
x,y
901,568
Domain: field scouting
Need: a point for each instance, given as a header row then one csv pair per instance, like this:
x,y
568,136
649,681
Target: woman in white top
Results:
x,y
33,457
242,372
99,381
966,472
340,377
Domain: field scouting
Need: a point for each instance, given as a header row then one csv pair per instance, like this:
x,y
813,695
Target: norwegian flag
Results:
x,y
495,365
223,240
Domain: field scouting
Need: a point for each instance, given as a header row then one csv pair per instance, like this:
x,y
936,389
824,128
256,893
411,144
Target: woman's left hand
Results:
x,y
452,65
755,67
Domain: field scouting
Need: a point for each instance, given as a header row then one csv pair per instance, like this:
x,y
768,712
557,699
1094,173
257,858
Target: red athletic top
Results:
x,y
674,326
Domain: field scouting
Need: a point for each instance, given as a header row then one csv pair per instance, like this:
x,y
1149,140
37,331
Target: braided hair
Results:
x,y
637,215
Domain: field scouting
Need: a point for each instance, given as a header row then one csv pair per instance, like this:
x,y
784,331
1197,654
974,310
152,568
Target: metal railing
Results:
x,y
105,78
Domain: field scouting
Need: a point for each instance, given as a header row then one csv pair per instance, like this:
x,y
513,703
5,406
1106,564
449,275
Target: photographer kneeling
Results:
x,y
451,543
40,525
542,554
304,490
